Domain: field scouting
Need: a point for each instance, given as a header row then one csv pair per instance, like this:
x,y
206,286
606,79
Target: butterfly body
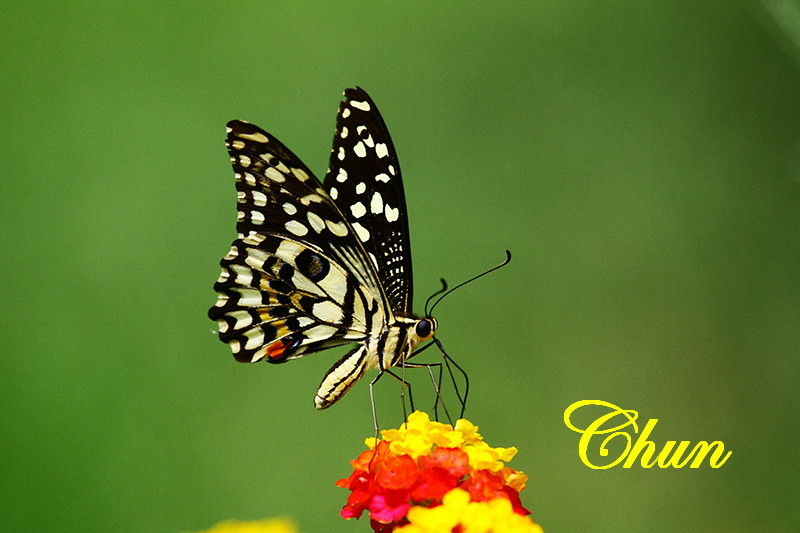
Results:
x,y
317,266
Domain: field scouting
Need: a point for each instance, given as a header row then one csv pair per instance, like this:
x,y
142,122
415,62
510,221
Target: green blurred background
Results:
x,y
641,161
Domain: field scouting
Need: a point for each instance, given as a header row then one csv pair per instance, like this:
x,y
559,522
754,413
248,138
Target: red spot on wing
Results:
x,y
282,348
276,349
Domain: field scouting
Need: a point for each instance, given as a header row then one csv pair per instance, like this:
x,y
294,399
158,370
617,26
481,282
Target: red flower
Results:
x,y
396,472
455,461
433,485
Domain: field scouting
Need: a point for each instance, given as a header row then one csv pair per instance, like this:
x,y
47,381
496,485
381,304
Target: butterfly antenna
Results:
x,y
435,294
446,292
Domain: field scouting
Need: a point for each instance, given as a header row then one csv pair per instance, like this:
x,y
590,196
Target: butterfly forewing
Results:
x,y
283,291
364,179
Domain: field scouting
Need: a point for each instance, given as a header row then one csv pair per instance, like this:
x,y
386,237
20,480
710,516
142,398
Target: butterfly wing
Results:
x,y
364,179
296,280
318,266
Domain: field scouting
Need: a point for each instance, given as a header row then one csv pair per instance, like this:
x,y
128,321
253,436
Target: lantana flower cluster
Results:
x,y
418,465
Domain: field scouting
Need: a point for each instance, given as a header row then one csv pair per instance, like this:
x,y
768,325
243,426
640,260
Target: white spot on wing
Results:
x,y
300,174
257,217
257,136
358,211
309,198
362,233
242,317
392,213
382,177
360,150
248,297
381,150
341,177
315,221
289,209
363,106
337,228
376,204
244,275
334,193
340,155
259,198
274,174
255,338
296,227
361,187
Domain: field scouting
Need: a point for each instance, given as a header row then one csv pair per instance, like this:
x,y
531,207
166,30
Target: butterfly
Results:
x,y
318,265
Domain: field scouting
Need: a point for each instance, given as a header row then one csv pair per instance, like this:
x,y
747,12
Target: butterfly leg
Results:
x,y
437,387
372,402
449,362
405,386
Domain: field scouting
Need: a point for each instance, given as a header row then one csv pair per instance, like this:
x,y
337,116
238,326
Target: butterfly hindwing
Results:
x,y
364,179
279,299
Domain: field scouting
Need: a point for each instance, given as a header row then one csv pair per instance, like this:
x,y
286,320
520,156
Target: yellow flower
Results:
x,y
494,516
514,478
468,430
272,525
483,457
420,435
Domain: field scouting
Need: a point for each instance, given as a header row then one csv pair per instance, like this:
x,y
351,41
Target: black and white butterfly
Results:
x,y
320,265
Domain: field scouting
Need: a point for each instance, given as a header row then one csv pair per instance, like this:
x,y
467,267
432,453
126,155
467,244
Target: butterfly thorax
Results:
x,y
390,347
402,338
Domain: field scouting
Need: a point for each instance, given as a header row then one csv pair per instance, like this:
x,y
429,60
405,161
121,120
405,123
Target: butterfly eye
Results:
x,y
424,328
